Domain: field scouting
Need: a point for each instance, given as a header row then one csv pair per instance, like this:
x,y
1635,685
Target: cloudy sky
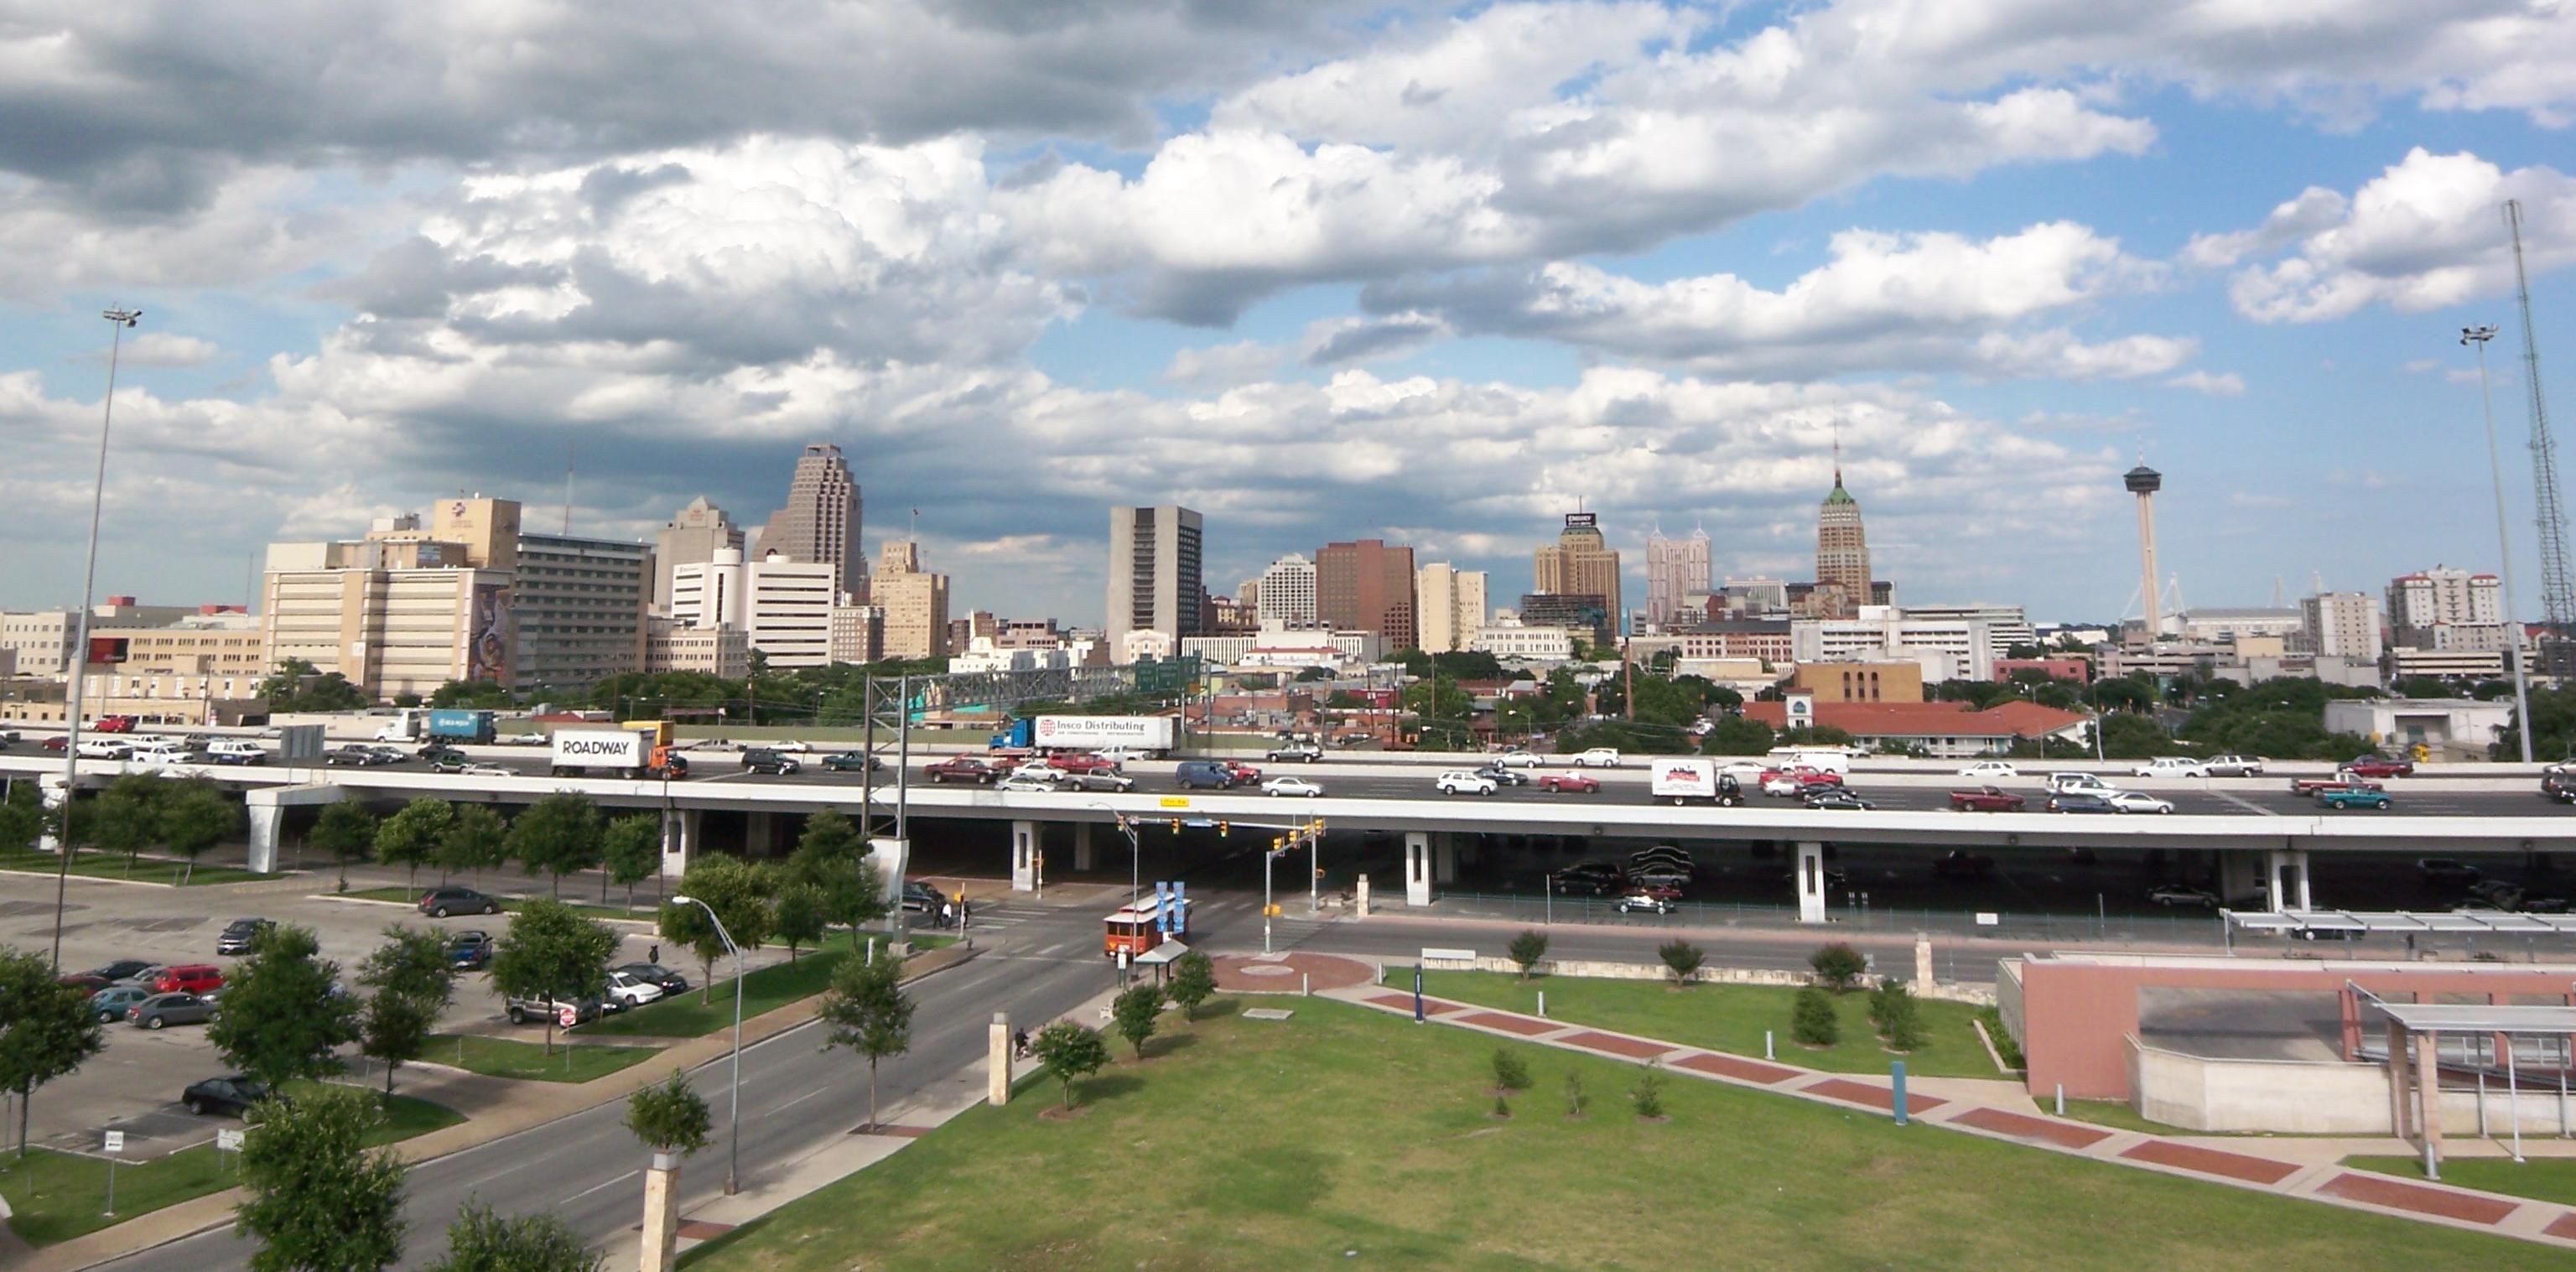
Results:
x,y
1318,269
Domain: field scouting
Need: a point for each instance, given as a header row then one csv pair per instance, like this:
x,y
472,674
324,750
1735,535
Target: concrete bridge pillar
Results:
x,y
679,841
2240,874
1084,857
2286,879
267,806
892,857
1811,882
1444,857
1025,842
1417,867
759,832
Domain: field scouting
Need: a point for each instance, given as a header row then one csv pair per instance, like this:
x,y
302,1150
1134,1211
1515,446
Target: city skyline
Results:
x,y
2020,257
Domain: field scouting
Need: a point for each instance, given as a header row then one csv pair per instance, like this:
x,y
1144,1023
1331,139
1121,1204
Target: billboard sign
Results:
x,y
487,634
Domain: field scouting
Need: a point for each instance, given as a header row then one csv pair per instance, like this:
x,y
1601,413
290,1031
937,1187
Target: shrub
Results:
x,y
1681,958
1511,1073
1502,1107
1903,1027
1575,1099
1812,1021
1837,965
1528,948
1648,1095
1993,1019
1878,1001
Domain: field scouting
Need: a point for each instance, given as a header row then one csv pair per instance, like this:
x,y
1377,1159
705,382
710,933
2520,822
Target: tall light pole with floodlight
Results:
x,y
2479,336
733,1133
119,320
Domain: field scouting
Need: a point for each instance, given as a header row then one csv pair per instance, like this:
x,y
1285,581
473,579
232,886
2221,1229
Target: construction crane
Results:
x,y
2557,584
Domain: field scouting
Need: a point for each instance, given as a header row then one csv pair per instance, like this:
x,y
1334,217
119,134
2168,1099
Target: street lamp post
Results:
x,y
733,1132
2479,336
78,656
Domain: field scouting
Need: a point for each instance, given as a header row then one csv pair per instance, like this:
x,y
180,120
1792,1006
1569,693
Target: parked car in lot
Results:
x,y
449,899
1664,854
2081,802
1644,901
171,1009
961,768
2170,894
2347,797
110,1004
1462,782
469,950
1663,875
2446,870
2138,802
658,976
1296,786
2234,766
239,934
1570,784
2172,766
631,991
123,969
189,978
523,1010
852,762
227,1096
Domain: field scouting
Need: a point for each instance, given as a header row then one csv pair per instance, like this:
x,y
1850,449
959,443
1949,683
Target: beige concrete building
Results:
x,y
1452,603
40,639
821,520
913,601
1580,563
784,607
690,537
1860,681
1156,577
1842,554
206,669
858,633
393,615
714,651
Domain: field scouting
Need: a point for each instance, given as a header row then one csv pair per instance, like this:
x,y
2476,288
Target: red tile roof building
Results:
x,y
1946,729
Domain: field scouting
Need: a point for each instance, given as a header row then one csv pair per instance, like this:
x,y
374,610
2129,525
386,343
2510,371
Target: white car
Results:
x,y
103,749
2138,802
1597,757
2173,766
1517,759
1024,784
391,733
486,770
161,754
522,739
2235,766
2067,783
1040,770
1989,771
1462,782
1291,786
1785,784
1120,755
789,747
1743,770
627,991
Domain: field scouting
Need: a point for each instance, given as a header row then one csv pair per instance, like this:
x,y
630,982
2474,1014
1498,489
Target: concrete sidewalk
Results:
x,y
2307,1168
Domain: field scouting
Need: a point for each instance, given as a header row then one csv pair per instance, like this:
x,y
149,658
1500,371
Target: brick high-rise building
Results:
x,y
1580,563
821,519
1367,586
1842,553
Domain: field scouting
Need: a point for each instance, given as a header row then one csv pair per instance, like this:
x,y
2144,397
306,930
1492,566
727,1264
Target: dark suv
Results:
x,y
441,902
240,934
775,763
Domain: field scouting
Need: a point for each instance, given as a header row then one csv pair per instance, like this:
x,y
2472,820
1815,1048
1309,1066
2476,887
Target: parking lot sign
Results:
x,y
567,1015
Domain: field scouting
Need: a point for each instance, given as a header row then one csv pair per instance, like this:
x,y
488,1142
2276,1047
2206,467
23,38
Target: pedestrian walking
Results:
x,y
654,955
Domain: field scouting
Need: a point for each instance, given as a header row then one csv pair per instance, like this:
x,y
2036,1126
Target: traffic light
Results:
x,y
1278,843
1222,828
1176,825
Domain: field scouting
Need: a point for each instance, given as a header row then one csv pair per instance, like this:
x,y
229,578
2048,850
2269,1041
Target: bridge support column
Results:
x,y
1417,867
1084,858
2286,879
679,841
1811,882
759,832
267,806
1025,842
1444,857
52,793
2240,874
892,857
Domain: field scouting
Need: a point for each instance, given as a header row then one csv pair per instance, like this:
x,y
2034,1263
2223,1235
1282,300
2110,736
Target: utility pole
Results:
x,y
2479,336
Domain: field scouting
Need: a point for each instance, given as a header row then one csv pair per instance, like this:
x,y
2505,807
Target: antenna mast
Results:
x,y
2557,587
567,490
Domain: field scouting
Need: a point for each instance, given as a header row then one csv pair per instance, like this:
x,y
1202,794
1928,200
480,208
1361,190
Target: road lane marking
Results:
x,y
599,1187
2246,804
799,1100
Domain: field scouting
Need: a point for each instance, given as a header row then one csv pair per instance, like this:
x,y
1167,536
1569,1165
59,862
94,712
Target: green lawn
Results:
x,y
1720,1018
710,1006
101,865
1349,1138
2539,1178
512,1058
57,1196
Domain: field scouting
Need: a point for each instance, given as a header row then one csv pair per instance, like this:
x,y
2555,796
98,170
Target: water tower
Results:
x,y
2144,482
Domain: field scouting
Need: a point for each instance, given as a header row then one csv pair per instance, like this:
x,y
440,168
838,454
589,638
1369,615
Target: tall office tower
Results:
x,y
690,537
2341,625
1580,563
1286,591
821,519
1842,551
2144,482
914,603
1675,568
1155,575
1366,586
1452,607
577,611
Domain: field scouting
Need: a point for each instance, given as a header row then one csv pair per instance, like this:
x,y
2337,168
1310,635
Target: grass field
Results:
x,y
512,1058
1348,1138
2539,1178
57,1196
1721,1018
101,865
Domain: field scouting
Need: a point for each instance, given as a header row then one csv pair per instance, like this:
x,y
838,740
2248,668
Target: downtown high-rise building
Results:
x,y
2341,625
1580,563
690,537
1842,554
2444,608
1675,569
1285,592
913,603
821,520
1367,586
1451,605
1156,577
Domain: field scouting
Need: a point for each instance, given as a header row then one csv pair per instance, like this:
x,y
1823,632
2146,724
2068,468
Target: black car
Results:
x,y
657,976
852,762
2559,788
1834,797
239,934
922,897
1501,775
121,969
230,1096
441,902
2081,802
469,950
775,763
2446,870
349,757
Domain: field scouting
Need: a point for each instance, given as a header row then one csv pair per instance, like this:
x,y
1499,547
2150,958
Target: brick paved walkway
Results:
x,y
2546,1223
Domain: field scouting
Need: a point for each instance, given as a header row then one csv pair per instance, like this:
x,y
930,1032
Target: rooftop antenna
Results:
x,y
2557,586
567,490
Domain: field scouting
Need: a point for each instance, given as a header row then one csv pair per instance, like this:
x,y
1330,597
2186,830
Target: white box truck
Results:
x,y
1683,781
613,753
1152,734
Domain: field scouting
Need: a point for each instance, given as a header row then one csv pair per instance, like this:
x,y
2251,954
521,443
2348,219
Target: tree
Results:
x,y
739,893
345,832
829,835
126,817
393,1029
1681,958
1069,1051
319,1201
284,1013
1812,1020
481,1241
551,952
1133,1013
1193,982
413,980
476,837
1527,949
1511,1073
196,817
670,1118
867,1012
412,836
22,818
1837,965
1900,1022
853,892
631,848
1737,735
557,835
46,1029
797,916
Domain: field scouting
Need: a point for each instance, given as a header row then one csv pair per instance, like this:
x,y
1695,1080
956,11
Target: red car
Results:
x,y
1570,783
189,978
1244,774
1080,764
113,724
962,768
57,742
2379,766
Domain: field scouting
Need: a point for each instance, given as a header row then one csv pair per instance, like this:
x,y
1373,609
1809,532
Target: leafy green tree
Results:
x,y
1812,1020
412,836
739,892
394,1029
557,836
1193,982
1442,712
1837,965
319,1201
194,818
1069,1051
126,817
1511,1072
866,1011
830,835
297,688
469,695
551,951
1647,1097
46,1030
412,980
797,916
1133,1014
345,832
284,1013
832,856
670,1118
477,838
631,848
1527,949
1681,958
481,1241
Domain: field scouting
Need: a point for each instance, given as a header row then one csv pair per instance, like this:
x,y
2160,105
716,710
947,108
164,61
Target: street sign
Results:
x,y
116,1141
1985,919
1176,801
567,1015
228,1141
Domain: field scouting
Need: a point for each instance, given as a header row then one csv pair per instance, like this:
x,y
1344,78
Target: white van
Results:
x,y
2065,783
236,751
1823,759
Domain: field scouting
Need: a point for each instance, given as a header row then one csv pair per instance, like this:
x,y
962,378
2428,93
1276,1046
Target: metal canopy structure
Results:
x,y
2494,1027
2402,922
2477,1018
